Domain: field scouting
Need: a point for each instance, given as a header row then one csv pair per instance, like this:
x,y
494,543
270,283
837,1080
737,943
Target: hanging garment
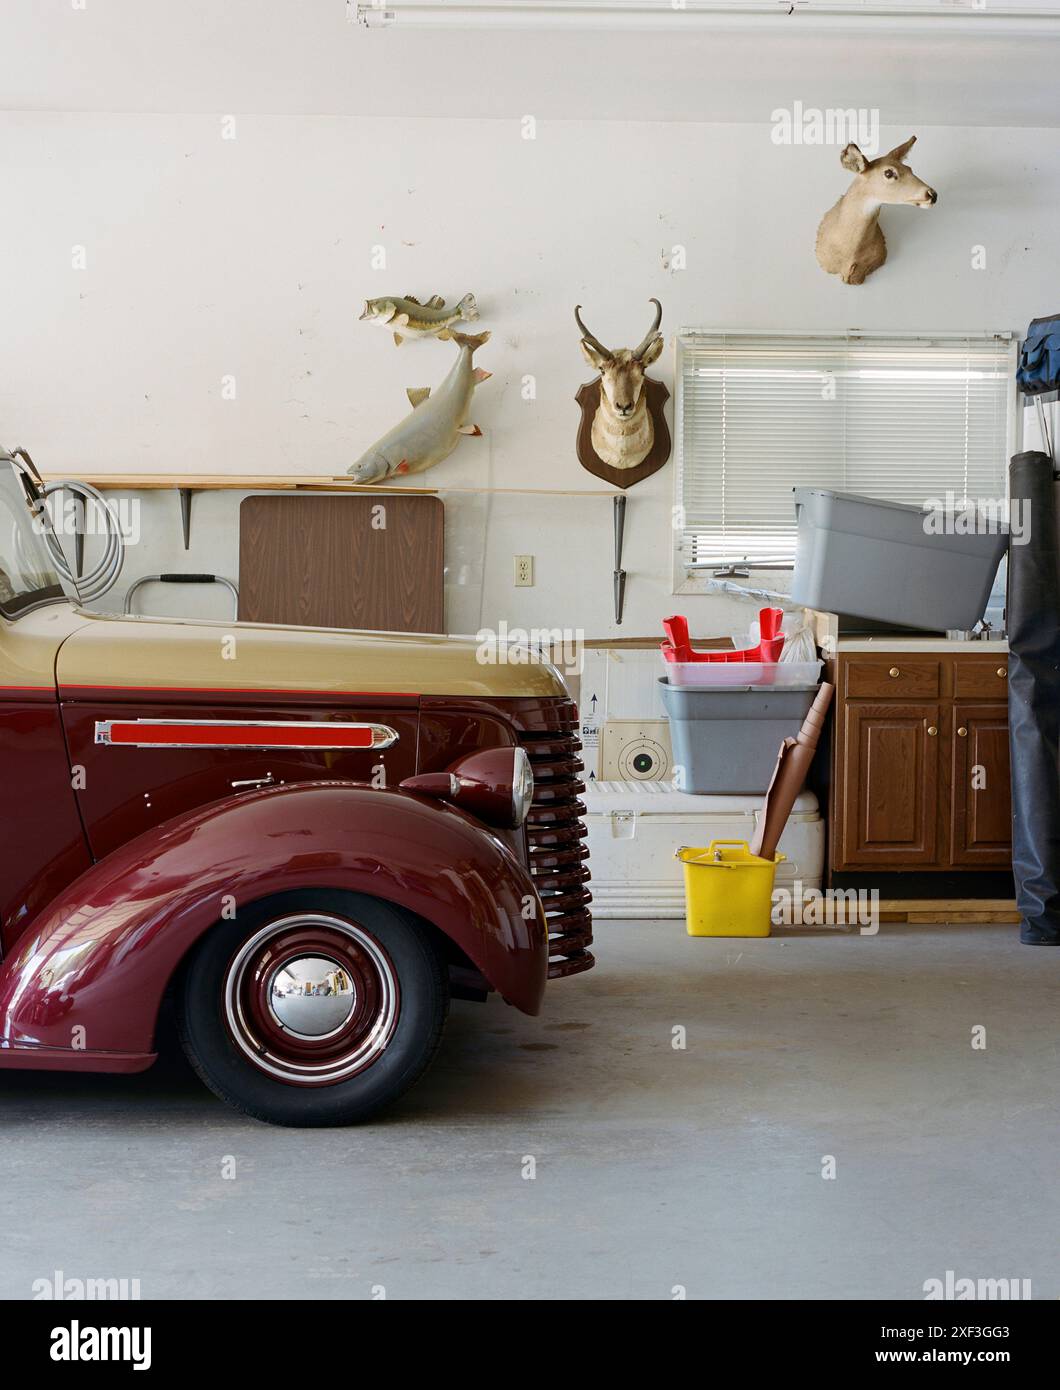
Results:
x,y
1034,698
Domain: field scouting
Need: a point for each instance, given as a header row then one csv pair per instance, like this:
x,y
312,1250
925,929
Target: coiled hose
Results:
x,y
95,582
103,575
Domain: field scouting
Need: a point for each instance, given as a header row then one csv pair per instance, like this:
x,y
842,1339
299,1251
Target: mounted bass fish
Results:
x,y
433,430
408,318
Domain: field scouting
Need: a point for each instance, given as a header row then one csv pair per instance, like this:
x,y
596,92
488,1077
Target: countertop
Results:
x,y
942,645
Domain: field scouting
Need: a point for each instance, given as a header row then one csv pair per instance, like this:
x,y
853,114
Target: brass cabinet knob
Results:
x,y
894,671
1002,671
962,732
932,731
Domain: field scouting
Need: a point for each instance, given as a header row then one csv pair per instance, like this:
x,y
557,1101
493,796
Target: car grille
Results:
x,y
556,839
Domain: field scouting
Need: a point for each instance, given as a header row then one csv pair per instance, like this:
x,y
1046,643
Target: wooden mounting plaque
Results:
x,y
588,398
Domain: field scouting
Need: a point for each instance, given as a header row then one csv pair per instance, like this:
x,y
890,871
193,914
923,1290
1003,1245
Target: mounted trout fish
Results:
x,y
408,318
433,430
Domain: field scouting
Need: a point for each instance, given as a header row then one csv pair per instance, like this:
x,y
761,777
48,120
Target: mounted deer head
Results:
x,y
623,431
850,243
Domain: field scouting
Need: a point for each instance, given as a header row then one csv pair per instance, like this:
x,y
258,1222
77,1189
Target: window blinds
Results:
x,y
902,418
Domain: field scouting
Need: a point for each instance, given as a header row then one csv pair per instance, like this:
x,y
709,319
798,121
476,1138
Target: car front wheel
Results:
x,y
313,1008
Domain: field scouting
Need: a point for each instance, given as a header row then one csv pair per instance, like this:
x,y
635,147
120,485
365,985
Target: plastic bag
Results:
x,y
800,643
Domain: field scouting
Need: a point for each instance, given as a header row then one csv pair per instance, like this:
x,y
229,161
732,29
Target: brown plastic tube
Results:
x,y
793,763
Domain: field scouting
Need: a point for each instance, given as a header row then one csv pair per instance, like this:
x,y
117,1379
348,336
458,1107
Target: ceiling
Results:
x,y
304,57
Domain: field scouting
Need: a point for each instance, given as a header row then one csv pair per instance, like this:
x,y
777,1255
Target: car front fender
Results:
x,y
91,972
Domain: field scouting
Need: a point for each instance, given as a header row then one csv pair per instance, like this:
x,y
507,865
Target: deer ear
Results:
x,y
900,151
854,160
651,352
594,358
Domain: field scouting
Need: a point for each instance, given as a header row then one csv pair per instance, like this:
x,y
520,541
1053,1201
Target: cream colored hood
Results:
x,y
151,653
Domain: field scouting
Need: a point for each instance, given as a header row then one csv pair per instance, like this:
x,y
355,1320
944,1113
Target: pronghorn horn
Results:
x,y
652,330
588,336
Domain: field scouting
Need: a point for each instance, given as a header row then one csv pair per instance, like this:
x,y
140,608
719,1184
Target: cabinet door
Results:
x,y
982,806
890,785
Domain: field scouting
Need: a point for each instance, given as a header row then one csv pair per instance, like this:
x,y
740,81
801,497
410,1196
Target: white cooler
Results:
x,y
635,827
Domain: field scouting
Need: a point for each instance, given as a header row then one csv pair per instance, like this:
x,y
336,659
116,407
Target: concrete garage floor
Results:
x,y
654,1167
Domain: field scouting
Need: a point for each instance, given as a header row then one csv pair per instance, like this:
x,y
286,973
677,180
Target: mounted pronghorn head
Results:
x,y
623,428
622,369
850,243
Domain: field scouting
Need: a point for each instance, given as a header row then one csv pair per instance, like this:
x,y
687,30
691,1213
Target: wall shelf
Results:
x,y
187,484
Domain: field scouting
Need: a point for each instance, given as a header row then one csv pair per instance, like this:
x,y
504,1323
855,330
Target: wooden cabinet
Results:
x,y
981,825
890,775
920,772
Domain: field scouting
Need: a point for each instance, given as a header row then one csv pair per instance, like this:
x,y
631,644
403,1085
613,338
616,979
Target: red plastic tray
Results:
x,y
678,647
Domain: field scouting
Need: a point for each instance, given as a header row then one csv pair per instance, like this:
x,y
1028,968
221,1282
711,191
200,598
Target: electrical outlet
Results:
x,y
524,571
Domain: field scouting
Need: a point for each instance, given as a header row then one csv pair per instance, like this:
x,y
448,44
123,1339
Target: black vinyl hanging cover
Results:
x,y
1033,622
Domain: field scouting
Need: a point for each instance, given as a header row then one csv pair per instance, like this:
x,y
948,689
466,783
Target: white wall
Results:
x,y
251,256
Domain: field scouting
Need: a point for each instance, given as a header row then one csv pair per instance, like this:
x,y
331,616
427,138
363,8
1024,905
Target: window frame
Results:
x,y
33,523
687,581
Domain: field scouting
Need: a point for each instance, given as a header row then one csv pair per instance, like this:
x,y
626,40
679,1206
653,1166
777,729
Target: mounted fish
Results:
x,y
433,430
406,317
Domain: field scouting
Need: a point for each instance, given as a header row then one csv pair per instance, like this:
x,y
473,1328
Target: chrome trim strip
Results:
x,y
383,736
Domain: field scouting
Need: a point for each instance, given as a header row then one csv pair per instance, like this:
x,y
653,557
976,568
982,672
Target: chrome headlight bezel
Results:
x,y
522,786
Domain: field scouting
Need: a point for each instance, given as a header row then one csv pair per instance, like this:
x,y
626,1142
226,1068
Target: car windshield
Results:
x,y
28,572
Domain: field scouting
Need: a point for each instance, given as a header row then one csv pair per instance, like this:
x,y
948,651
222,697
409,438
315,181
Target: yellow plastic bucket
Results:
x,y
728,890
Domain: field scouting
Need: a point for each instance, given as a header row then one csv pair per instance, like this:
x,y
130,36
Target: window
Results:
x,y
903,418
28,576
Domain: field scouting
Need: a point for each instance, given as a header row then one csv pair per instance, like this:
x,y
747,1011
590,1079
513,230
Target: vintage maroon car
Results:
x,y
311,838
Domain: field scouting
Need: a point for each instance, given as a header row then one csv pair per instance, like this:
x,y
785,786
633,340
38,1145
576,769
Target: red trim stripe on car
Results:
x,y
220,733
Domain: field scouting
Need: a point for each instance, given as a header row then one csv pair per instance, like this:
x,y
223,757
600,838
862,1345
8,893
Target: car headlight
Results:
x,y
495,785
522,786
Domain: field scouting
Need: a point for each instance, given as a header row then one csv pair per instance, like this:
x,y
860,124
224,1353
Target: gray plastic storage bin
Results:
x,y
727,740
873,559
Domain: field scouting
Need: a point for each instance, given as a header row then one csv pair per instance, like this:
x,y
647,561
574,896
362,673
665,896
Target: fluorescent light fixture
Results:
x,y
972,16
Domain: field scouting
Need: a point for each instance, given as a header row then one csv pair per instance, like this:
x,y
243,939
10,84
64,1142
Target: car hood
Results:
x,y
138,654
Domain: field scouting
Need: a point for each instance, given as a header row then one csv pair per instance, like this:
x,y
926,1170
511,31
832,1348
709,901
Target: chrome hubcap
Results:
x,y
311,996
311,999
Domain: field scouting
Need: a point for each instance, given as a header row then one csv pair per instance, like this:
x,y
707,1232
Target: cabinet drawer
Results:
x,y
894,678
979,676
